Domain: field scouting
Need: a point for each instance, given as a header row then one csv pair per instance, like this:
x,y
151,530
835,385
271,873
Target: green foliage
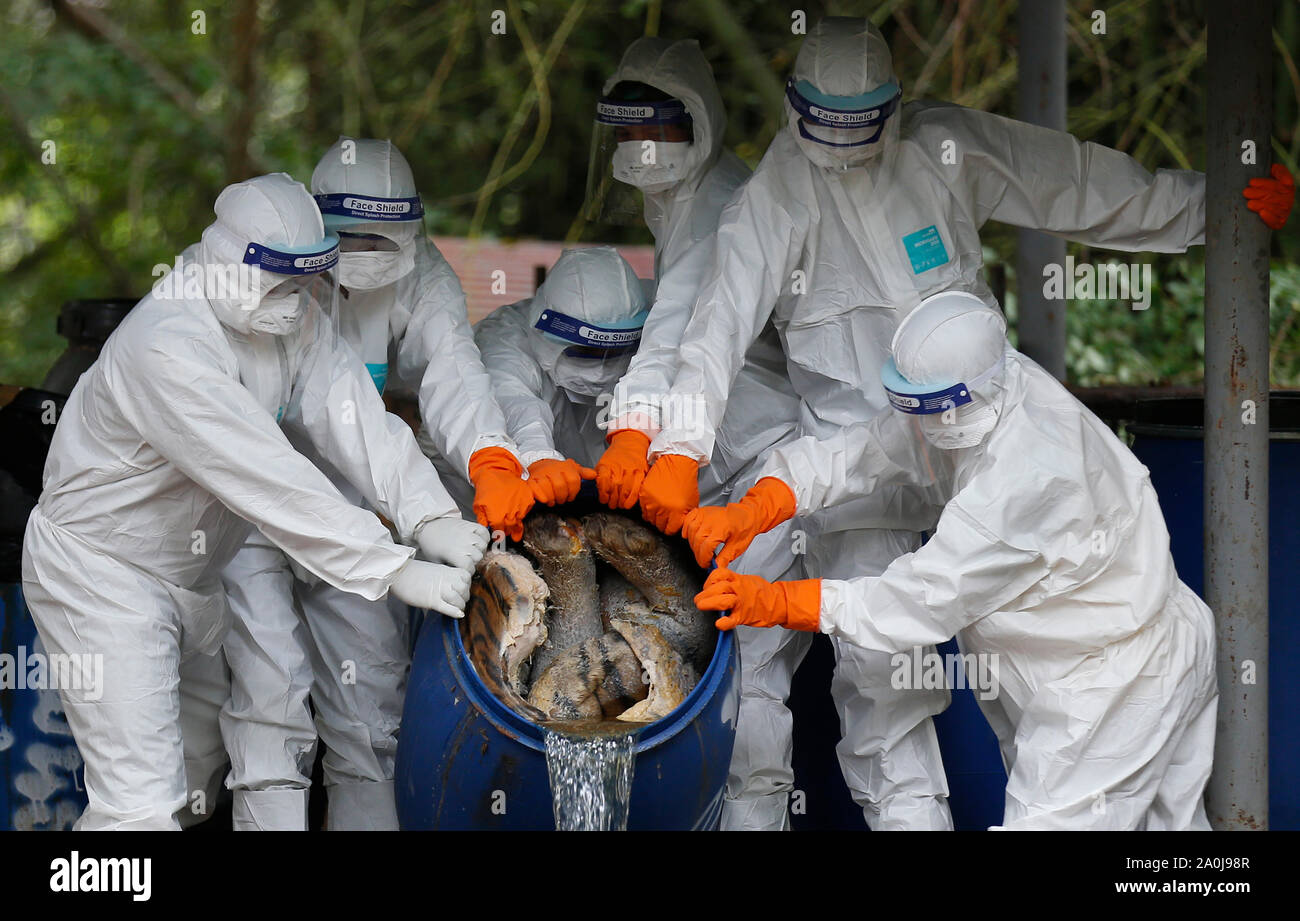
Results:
x,y
150,120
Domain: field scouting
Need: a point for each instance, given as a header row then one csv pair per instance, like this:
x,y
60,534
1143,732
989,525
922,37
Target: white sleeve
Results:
x,y
217,434
437,348
518,382
962,574
336,405
880,464
1047,180
654,367
757,248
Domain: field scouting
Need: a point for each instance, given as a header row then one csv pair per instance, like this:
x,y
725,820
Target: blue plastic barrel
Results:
x,y
1168,438
41,772
466,761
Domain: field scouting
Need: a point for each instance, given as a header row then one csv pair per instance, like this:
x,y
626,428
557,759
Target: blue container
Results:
x,y
465,761
42,784
1168,438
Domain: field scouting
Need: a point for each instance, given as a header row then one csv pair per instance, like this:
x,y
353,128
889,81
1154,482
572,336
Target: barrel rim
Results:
x,y
532,735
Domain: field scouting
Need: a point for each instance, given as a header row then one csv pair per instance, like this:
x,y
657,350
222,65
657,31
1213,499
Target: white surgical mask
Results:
x,y
972,423
659,176
365,271
278,315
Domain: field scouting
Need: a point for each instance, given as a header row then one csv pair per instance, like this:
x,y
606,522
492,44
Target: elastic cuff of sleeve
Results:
x,y
641,417
483,442
665,443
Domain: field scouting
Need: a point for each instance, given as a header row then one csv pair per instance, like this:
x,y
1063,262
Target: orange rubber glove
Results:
x,y
1272,198
671,489
622,468
555,482
756,602
501,497
768,503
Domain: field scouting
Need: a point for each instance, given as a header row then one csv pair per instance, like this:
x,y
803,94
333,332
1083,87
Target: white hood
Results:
x,y
680,69
596,285
843,56
273,210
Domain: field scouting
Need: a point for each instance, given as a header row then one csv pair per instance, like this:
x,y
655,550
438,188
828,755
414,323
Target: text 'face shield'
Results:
x,y
591,358
842,121
292,278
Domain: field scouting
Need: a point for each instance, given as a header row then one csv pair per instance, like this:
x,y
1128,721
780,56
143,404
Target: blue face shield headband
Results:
x,y
307,259
366,208
919,400
641,114
844,113
586,340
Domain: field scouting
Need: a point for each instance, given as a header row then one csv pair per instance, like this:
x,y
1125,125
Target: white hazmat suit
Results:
x,y
1049,561
402,311
168,448
683,217
835,245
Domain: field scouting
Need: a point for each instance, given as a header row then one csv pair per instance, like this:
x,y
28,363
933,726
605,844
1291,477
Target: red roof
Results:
x,y
522,265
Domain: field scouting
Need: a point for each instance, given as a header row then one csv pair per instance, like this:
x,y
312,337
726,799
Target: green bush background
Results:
x,y
150,120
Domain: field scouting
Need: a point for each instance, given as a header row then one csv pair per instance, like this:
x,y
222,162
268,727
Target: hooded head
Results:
x,y
367,195
842,99
659,127
946,368
679,70
268,231
586,319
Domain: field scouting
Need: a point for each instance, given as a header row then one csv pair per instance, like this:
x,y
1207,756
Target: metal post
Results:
x,y
1041,323
1239,99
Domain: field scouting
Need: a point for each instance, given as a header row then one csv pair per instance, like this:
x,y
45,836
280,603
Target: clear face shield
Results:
x,y
587,359
289,280
843,128
951,416
636,147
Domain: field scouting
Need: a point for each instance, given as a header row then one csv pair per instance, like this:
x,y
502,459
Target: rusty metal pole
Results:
x,y
1041,322
1239,101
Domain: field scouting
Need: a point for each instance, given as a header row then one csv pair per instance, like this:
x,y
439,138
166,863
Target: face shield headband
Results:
x,y
917,400
844,113
641,114
365,208
586,340
307,259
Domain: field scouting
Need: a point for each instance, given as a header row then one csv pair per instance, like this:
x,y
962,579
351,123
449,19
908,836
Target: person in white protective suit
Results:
x,y
858,211
170,451
300,640
552,356
660,127
1049,561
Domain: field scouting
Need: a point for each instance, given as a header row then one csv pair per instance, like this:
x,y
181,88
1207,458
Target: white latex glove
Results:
x,y
430,585
453,541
